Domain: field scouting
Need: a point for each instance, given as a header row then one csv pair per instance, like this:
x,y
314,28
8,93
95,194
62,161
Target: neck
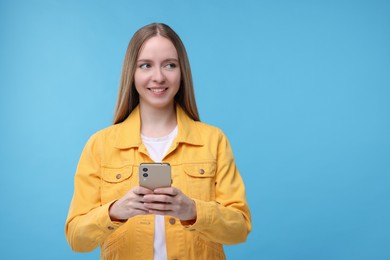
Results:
x,y
157,122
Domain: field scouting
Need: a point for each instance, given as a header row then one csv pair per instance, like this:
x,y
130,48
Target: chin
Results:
x,y
159,105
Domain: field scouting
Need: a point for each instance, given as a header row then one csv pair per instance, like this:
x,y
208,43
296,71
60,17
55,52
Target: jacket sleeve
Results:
x,y
88,222
226,220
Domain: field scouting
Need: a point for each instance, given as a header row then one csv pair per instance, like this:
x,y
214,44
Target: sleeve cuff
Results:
x,y
201,217
105,221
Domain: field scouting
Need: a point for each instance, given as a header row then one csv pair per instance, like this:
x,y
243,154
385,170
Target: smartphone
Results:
x,y
155,175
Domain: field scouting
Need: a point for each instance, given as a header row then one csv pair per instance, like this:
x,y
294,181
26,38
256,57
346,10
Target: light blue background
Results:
x,y
301,88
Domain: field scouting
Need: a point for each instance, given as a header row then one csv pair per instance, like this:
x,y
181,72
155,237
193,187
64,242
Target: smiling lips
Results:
x,y
157,91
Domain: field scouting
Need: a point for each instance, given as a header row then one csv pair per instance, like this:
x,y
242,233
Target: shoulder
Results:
x,y
207,132
207,127
104,136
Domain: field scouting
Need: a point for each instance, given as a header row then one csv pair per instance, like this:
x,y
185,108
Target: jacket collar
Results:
x,y
129,131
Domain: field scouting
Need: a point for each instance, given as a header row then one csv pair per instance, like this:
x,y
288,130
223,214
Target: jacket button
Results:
x,y
118,176
201,171
110,228
172,221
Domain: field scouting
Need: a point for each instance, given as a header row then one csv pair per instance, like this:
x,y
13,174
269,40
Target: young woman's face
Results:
x,y
157,77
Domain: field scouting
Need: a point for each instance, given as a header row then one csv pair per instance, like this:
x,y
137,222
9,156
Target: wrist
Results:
x,y
112,215
192,216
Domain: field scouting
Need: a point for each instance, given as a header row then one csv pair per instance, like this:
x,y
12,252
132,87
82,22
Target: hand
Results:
x,y
170,201
130,205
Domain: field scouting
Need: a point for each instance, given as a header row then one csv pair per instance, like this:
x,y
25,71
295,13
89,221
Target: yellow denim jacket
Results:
x,y
203,168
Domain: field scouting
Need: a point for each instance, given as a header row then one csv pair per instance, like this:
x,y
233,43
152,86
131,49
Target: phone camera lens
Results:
x,y
145,169
145,175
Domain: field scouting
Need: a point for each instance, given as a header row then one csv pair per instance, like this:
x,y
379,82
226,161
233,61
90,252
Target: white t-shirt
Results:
x,y
157,148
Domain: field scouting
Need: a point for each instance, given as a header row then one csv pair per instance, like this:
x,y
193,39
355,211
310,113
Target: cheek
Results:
x,y
139,80
175,79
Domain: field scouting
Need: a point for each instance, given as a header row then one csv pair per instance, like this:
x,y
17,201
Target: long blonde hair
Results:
x,y
128,97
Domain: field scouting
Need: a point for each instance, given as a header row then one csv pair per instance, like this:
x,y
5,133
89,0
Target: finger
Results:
x,y
141,207
141,212
160,198
172,191
138,208
158,207
161,212
141,190
132,197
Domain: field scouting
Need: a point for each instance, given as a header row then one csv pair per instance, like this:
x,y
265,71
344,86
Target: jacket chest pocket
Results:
x,y
200,180
115,182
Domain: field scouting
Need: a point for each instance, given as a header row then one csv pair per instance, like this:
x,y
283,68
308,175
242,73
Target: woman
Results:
x,y
156,119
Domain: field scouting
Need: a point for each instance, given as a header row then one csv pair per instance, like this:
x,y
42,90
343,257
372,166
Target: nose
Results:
x,y
158,75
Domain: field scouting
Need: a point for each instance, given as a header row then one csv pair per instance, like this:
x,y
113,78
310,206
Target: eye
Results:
x,y
144,66
170,66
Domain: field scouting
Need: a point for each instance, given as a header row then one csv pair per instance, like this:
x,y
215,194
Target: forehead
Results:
x,y
158,47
